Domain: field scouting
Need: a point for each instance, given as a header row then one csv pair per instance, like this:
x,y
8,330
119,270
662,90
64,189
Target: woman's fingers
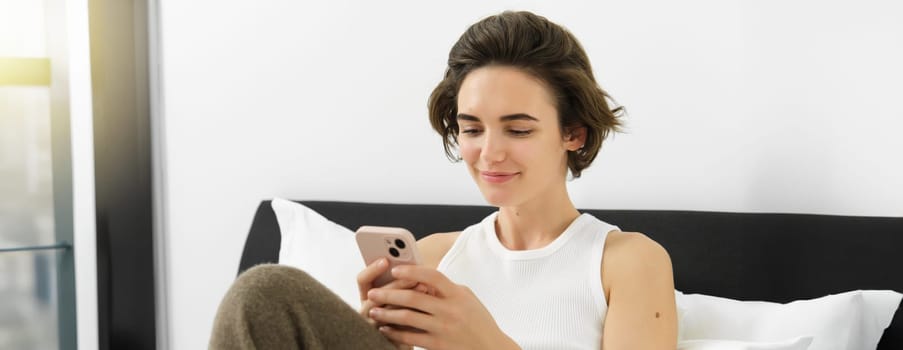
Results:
x,y
366,277
366,306
403,317
400,284
420,287
423,340
406,298
426,275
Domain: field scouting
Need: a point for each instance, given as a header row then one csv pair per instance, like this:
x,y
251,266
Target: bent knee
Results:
x,y
269,282
265,273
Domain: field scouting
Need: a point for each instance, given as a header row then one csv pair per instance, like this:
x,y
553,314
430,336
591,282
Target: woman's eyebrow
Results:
x,y
510,117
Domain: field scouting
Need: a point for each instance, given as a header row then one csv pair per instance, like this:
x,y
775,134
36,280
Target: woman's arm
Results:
x,y
642,313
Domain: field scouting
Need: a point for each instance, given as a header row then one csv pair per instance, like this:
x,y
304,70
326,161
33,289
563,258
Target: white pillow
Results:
x,y
837,321
325,250
798,343
881,304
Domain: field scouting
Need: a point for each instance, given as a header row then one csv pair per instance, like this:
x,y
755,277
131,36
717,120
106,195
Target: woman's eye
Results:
x,y
473,131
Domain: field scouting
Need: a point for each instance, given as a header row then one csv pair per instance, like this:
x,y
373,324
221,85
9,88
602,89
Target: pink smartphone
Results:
x,y
394,243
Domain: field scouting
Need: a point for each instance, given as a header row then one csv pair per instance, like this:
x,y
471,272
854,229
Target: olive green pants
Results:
x,y
280,307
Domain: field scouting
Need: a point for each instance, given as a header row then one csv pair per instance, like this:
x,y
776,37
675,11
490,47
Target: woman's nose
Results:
x,y
493,150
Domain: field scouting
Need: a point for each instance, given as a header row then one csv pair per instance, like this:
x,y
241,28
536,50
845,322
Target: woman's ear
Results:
x,y
574,138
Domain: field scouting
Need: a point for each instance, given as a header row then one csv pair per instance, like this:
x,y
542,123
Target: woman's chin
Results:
x,y
497,199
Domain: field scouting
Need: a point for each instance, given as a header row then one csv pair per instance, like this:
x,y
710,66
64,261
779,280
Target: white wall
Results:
x,y
734,106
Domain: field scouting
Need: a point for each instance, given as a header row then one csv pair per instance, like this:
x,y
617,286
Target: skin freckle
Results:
x,y
657,315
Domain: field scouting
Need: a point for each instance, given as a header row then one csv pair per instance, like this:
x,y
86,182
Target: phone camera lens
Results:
x,y
394,252
399,243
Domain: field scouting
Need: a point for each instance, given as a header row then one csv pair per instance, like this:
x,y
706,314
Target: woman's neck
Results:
x,y
537,222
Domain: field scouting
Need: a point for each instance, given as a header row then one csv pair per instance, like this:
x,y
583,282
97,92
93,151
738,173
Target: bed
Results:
x,y
743,256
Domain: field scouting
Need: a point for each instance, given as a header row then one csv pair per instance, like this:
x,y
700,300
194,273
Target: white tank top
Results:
x,y
546,298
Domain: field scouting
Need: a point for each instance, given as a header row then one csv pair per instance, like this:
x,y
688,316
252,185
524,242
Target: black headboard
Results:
x,y
745,256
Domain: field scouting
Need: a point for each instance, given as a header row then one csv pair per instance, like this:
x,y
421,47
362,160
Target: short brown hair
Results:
x,y
540,48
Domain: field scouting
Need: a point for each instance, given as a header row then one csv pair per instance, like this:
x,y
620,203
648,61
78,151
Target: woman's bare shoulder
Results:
x,y
629,255
433,247
631,244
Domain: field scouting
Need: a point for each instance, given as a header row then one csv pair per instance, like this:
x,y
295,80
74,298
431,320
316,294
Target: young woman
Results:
x,y
520,106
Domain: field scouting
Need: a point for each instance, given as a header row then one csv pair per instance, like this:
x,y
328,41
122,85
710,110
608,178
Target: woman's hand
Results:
x,y
450,316
365,282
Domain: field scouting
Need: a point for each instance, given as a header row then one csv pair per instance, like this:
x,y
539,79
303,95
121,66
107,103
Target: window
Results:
x,y
37,307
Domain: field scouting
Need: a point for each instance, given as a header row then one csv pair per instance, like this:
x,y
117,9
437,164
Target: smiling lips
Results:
x,y
497,176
